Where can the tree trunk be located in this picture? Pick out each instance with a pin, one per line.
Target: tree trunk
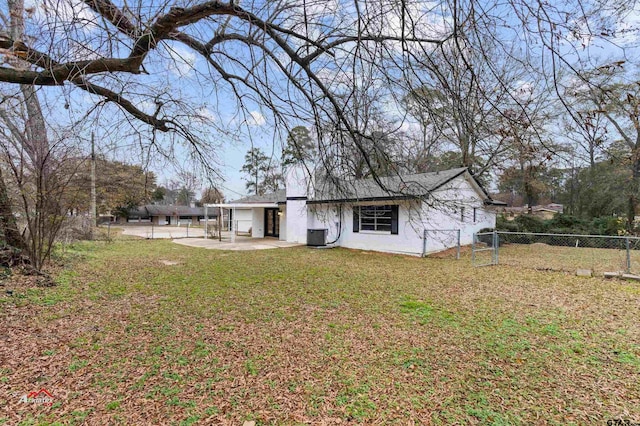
(632, 200)
(40, 209)
(93, 213)
(8, 224)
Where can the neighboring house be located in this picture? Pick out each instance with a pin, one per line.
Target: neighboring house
(544, 212)
(169, 215)
(363, 216)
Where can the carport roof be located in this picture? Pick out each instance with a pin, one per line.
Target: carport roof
(159, 210)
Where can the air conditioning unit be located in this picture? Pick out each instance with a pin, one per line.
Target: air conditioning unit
(316, 237)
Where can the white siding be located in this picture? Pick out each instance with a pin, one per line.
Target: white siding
(296, 221)
(243, 219)
(443, 211)
(407, 241)
(257, 222)
(283, 224)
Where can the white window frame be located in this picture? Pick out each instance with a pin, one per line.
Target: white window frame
(375, 224)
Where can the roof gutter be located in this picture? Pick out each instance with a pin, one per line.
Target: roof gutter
(365, 199)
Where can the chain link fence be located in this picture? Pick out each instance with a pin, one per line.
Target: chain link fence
(560, 252)
(152, 231)
(205, 229)
(441, 243)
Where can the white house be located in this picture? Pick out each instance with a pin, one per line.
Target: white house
(416, 214)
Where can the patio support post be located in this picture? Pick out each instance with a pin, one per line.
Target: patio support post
(233, 228)
(206, 221)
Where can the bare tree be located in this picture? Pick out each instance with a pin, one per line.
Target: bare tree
(39, 173)
(30, 159)
(614, 93)
(458, 93)
(212, 195)
(297, 61)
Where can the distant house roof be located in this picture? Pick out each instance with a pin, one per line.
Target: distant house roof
(553, 207)
(280, 196)
(158, 210)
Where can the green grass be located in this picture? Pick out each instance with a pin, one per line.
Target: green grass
(299, 335)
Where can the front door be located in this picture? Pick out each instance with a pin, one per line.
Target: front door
(271, 223)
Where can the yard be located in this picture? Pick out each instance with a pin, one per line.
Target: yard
(560, 258)
(150, 332)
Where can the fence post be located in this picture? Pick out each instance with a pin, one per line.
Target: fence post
(424, 243)
(458, 247)
(473, 248)
(495, 247)
(152, 229)
(628, 256)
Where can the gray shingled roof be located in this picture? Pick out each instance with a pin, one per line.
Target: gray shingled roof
(280, 196)
(397, 187)
(405, 186)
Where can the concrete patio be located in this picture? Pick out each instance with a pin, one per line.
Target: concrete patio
(241, 243)
(193, 237)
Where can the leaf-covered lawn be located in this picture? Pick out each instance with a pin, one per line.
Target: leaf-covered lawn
(559, 258)
(308, 336)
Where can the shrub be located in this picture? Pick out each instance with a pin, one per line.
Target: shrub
(503, 224)
(529, 223)
(608, 225)
(568, 224)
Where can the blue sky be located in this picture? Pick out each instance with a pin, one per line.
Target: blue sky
(213, 111)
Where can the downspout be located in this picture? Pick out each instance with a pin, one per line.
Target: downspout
(339, 225)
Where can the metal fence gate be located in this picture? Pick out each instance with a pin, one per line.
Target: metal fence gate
(484, 249)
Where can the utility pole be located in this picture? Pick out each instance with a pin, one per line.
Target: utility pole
(93, 213)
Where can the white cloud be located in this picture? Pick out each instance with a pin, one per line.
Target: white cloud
(58, 14)
(628, 30)
(182, 61)
(256, 119)
(205, 115)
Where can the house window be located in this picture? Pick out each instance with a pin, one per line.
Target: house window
(461, 214)
(475, 215)
(376, 218)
